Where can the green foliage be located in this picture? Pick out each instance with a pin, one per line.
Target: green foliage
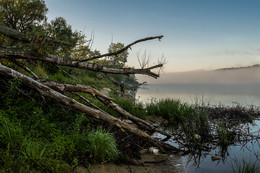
(226, 137)
(84, 52)
(22, 14)
(117, 60)
(136, 109)
(59, 29)
(33, 151)
(47, 137)
(10, 133)
(102, 146)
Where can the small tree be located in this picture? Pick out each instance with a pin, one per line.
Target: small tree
(120, 59)
(22, 14)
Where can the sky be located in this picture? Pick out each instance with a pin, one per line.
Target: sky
(198, 34)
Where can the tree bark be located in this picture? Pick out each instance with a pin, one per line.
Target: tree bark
(69, 102)
(17, 54)
(62, 87)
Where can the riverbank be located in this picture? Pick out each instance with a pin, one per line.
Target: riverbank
(149, 163)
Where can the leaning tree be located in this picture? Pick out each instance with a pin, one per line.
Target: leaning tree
(57, 91)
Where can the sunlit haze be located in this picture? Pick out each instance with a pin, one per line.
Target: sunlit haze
(198, 34)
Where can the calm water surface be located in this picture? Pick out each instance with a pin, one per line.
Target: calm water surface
(213, 94)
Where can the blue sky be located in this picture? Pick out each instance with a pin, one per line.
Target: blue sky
(199, 34)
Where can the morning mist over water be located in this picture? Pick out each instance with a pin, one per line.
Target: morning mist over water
(224, 86)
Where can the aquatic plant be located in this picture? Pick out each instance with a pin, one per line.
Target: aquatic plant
(245, 166)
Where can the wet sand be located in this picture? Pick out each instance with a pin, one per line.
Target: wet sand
(149, 163)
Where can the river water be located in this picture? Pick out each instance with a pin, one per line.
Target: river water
(213, 94)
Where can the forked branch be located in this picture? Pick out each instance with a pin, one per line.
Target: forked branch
(125, 48)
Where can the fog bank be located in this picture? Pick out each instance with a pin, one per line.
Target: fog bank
(232, 76)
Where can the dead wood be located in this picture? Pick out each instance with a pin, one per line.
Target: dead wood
(20, 64)
(57, 91)
(125, 48)
(18, 54)
(69, 102)
(62, 87)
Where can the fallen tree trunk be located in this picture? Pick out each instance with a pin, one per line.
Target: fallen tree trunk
(69, 102)
(63, 87)
(18, 54)
(148, 126)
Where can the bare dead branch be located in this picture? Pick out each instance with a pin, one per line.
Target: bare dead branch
(136, 120)
(66, 73)
(25, 68)
(91, 40)
(125, 48)
(88, 102)
(63, 87)
(144, 61)
(69, 102)
(17, 54)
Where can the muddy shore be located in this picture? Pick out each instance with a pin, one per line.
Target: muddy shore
(149, 163)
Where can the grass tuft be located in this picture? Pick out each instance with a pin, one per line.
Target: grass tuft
(102, 146)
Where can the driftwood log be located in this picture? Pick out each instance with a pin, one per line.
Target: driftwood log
(57, 91)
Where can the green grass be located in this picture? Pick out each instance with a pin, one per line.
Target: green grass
(184, 118)
(102, 146)
(136, 109)
(245, 167)
(47, 137)
(178, 114)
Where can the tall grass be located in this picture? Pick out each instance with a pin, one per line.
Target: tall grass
(182, 118)
(134, 108)
(178, 114)
(245, 167)
(48, 137)
(102, 146)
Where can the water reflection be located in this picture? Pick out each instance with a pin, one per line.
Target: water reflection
(219, 159)
(210, 157)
